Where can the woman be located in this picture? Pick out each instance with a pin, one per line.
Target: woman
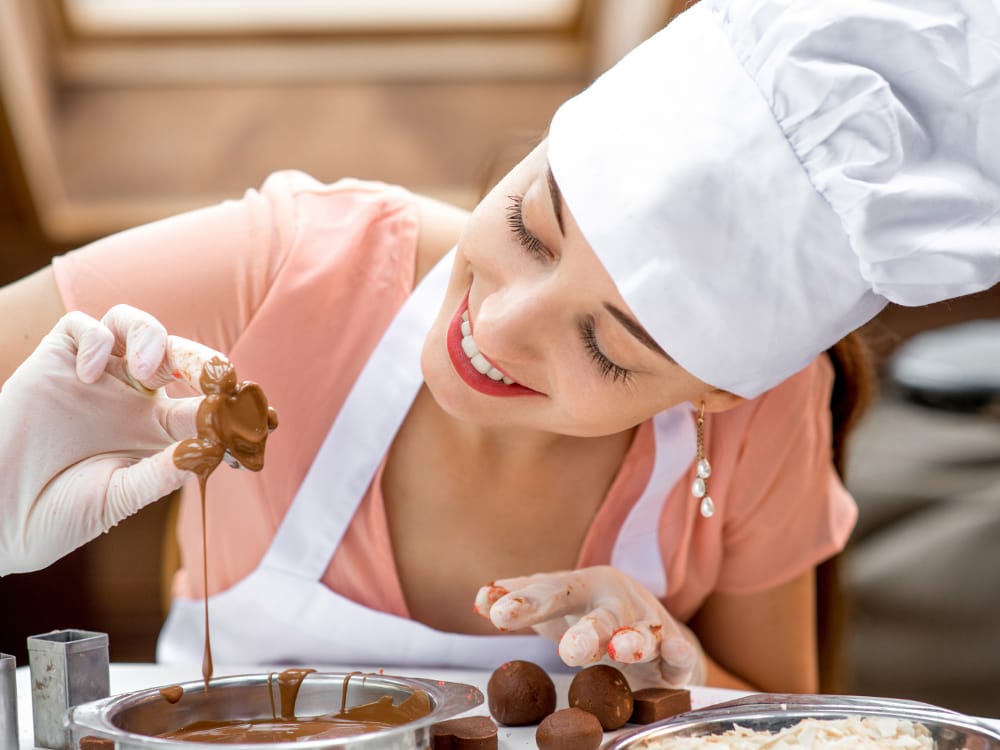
(645, 310)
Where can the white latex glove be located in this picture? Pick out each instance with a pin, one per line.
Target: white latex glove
(599, 614)
(87, 433)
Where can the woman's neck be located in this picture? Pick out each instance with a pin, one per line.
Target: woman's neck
(514, 448)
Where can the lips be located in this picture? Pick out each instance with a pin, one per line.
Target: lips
(468, 361)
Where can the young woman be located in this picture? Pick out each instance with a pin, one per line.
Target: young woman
(605, 416)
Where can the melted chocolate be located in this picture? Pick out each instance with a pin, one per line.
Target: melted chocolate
(368, 717)
(289, 683)
(234, 418)
(172, 693)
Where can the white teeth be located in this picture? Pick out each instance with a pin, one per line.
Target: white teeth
(469, 347)
(482, 365)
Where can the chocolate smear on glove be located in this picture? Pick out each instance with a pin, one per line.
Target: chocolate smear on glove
(234, 418)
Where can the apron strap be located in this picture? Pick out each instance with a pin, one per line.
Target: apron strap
(637, 549)
(360, 436)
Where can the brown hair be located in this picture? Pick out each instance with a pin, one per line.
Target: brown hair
(854, 388)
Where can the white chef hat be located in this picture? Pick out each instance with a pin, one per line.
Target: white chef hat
(762, 176)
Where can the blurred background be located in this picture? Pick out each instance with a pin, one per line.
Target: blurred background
(117, 112)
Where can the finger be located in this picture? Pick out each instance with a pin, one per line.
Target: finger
(544, 597)
(186, 360)
(179, 416)
(91, 341)
(133, 487)
(486, 597)
(587, 640)
(638, 642)
(678, 658)
(140, 338)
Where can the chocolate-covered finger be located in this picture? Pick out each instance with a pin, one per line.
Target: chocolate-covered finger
(548, 597)
(486, 597)
(185, 361)
(586, 641)
(636, 643)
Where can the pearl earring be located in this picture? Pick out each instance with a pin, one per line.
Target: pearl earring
(699, 488)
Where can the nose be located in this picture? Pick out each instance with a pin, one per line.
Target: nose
(515, 323)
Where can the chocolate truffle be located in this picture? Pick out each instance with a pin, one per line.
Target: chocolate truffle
(603, 691)
(654, 704)
(569, 729)
(466, 733)
(521, 693)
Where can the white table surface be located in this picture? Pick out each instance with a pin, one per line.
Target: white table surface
(130, 677)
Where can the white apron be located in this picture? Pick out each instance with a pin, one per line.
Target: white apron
(282, 613)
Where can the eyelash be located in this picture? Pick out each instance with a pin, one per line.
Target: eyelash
(608, 368)
(534, 246)
(515, 220)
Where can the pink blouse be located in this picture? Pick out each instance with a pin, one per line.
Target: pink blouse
(296, 282)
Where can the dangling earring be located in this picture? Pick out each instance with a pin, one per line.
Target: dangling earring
(703, 469)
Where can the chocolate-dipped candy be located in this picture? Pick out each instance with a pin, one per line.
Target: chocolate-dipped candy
(654, 704)
(465, 733)
(520, 693)
(569, 729)
(603, 691)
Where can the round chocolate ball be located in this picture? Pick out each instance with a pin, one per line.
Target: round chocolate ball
(569, 729)
(520, 693)
(603, 691)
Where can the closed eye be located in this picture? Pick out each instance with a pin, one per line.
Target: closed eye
(608, 368)
(527, 240)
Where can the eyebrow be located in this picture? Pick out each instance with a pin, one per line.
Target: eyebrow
(556, 199)
(636, 330)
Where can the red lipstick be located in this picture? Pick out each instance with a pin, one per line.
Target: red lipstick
(469, 374)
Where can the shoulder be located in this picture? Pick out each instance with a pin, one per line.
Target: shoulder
(804, 395)
(441, 226)
(311, 203)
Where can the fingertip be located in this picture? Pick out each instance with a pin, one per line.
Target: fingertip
(143, 337)
(579, 647)
(179, 416)
(678, 659)
(513, 611)
(147, 345)
(93, 348)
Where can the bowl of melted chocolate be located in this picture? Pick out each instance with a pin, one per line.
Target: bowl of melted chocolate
(298, 708)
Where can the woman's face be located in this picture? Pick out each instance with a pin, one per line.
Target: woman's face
(546, 318)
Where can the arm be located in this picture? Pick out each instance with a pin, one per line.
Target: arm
(767, 640)
(29, 308)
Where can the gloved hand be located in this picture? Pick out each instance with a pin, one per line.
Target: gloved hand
(599, 614)
(87, 433)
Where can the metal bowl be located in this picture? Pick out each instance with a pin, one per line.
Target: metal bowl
(131, 721)
(950, 730)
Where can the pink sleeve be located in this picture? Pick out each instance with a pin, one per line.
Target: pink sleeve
(788, 511)
(203, 274)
